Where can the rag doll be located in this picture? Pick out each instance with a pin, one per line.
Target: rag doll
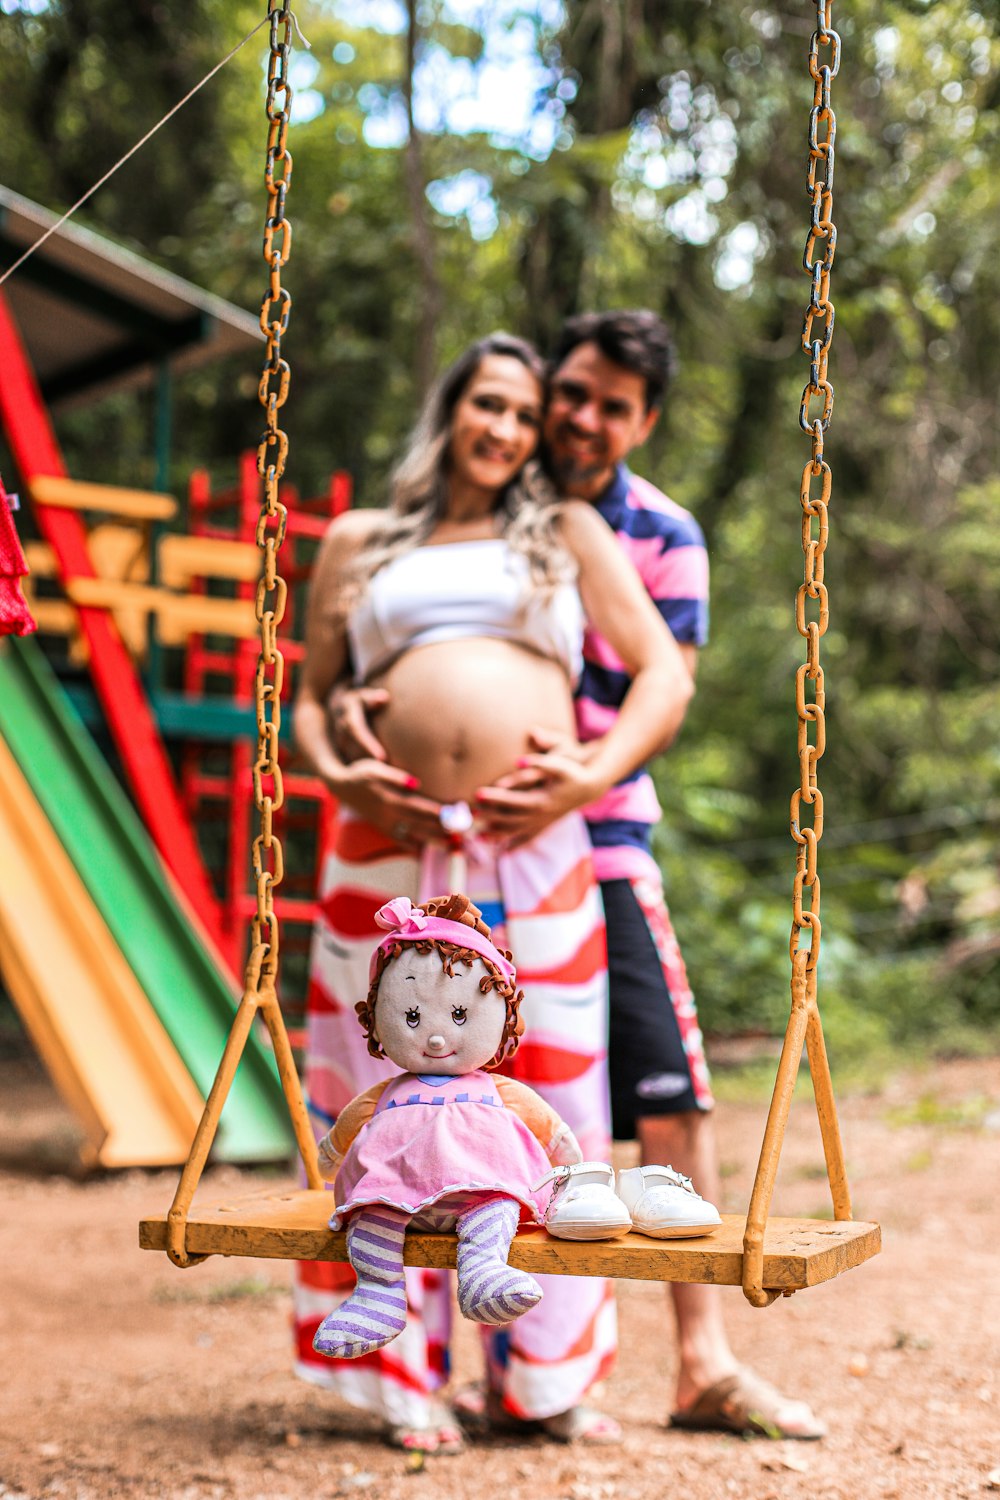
(444, 1145)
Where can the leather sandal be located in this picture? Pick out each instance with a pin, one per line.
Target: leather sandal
(749, 1406)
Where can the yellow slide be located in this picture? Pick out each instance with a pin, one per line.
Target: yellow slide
(95, 1029)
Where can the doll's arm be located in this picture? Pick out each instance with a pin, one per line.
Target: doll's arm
(336, 1143)
(549, 1129)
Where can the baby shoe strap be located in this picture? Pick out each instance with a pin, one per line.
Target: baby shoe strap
(561, 1175)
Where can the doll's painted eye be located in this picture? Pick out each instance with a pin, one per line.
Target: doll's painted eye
(459, 1014)
(413, 1016)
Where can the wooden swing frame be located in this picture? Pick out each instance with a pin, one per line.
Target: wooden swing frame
(768, 1257)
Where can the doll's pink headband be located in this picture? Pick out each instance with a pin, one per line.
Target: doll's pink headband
(406, 923)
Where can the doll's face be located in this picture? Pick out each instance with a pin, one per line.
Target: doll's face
(430, 1023)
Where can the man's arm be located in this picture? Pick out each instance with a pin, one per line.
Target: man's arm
(350, 711)
(620, 609)
(689, 653)
(547, 740)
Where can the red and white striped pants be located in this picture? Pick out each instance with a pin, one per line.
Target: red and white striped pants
(543, 904)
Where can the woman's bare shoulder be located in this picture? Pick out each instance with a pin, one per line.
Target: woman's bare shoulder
(354, 527)
(348, 533)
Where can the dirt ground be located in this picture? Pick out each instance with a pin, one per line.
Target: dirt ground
(126, 1377)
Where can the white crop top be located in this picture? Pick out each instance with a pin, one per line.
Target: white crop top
(459, 590)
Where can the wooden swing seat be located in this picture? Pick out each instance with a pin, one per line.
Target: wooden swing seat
(798, 1253)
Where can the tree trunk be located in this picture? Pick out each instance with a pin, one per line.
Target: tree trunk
(425, 359)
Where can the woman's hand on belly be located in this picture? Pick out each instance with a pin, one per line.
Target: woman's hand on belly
(388, 798)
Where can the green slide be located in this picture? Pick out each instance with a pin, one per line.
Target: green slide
(103, 836)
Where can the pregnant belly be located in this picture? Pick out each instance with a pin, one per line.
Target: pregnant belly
(460, 712)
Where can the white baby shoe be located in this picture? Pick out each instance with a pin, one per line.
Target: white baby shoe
(664, 1204)
(584, 1205)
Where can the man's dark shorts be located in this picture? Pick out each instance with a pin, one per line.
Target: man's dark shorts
(656, 1061)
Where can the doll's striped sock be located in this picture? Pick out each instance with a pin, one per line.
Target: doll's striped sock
(489, 1291)
(375, 1312)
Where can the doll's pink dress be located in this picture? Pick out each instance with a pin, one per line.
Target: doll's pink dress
(430, 1137)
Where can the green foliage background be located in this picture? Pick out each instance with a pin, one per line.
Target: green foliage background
(678, 134)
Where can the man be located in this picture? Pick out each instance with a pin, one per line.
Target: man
(609, 378)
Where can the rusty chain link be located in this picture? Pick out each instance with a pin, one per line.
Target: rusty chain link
(272, 453)
(814, 493)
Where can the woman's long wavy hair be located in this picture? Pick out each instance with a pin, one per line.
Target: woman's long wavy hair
(526, 511)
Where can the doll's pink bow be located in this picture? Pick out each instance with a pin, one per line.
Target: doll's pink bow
(401, 917)
(404, 922)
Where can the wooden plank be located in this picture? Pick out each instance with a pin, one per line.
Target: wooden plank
(798, 1253)
(74, 494)
(114, 593)
(181, 615)
(121, 587)
(119, 551)
(41, 559)
(116, 552)
(123, 552)
(53, 616)
(182, 558)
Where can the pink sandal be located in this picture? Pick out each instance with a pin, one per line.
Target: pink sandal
(482, 1411)
(441, 1438)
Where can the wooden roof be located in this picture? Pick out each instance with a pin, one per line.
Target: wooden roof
(96, 317)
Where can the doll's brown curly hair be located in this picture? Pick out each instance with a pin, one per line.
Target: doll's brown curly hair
(455, 908)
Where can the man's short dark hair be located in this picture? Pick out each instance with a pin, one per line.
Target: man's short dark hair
(636, 339)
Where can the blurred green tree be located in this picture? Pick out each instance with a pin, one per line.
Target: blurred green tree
(662, 163)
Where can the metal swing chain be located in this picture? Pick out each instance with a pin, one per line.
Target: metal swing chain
(814, 494)
(260, 991)
(272, 454)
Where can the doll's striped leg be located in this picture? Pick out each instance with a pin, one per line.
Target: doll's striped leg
(375, 1312)
(489, 1290)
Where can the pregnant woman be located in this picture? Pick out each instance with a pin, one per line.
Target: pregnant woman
(466, 599)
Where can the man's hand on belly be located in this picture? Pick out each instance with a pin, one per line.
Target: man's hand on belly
(349, 711)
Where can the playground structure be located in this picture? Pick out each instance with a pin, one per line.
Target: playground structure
(120, 939)
(769, 1257)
